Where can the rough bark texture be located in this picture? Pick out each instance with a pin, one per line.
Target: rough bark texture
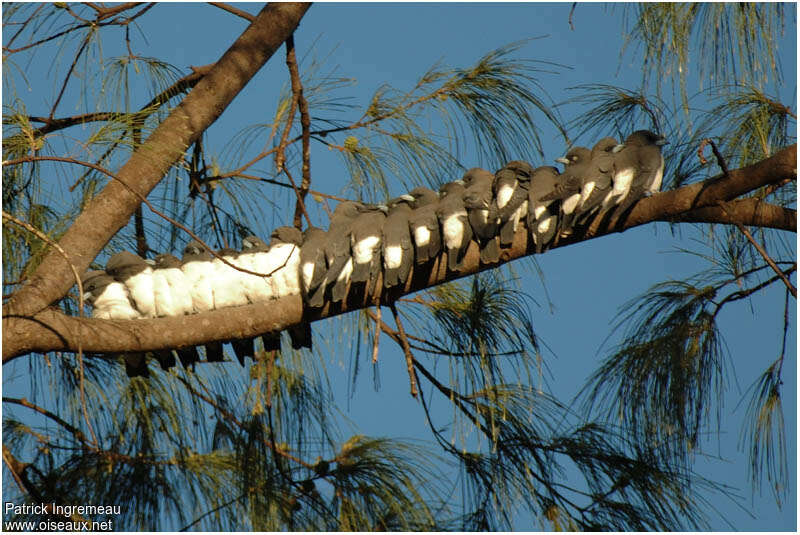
(708, 201)
(111, 209)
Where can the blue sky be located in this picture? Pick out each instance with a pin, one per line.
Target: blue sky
(586, 282)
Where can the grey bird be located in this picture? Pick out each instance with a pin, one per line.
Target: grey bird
(365, 242)
(137, 276)
(398, 250)
(285, 248)
(543, 213)
(598, 180)
(337, 249)
(313, 266)
(478, 198)
(510, 203)
(109, 299)
(568, 190)
(255, 257)
(424, 224)
(171, 289)
(453, 219)
(638, 169)
(200, 273)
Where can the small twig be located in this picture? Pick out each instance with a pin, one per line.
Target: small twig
(45, 238)
(305, 123)
(284, 185)
(236, 11)
(406, 350)
(717, 154)
(742, 294)
(768, 259)
(571, 12)
(299, 197)
(375, 341)
(41, 410)
(69, 75)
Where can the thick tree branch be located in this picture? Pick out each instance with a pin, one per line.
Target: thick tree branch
(111, 209)
(50, 330)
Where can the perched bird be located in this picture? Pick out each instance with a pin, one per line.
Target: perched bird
(255, 257)
(337, 249)
(313, 266)
(568, 190)
(638, 169)
(172, 291)
(284, 252)
(542, 213)
(478, 198)
(398, 251)
(137, 276)
(597, 182)
(510, 203)
(109, 300)
(453, 219)
(424, 224)
(200, 274)
(366, 232)
(228, 282)
(243, 348)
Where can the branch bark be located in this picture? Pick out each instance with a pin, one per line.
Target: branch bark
(111, 209)
(51, 330)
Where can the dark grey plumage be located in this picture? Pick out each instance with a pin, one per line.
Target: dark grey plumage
(243, 348)
(398, 250)
(136, 365)
(453, 219)
(188, 356)
(543, 213)
(510, 203)
(424, 224)
(478, 198)
(137, 276)
(337, 249)
(568, 190)
(598, 180)
(638, 169)
(165, 358)
(301, 336)
(365, 243)
(313, 266)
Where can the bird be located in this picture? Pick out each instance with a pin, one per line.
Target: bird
(313, 266)
(424, 224)
(398, 250)
(200, 273)
(337, 249)
(243, 348)
(110, 299)
(569, 188)
(638, 169)
(543, 214)
(285, 247)
(255, 257)
(478, 198)
(131, 270)
(510, 203)
(598, 180)
(366, 232)
(284, 252)
(228, 282)
(171, 289)
(453, 219)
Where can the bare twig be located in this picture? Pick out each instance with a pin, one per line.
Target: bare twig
(742, 294)
(406, 350)
(41, 410)
(767, 258)
(572, 12)
(236, 11)
(299, 197)
(375, 341)
(305, 123)
(68, 76)
(717, 154)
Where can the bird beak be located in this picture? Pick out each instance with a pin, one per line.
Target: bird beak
(150, 261)
(618, 148)
(87, 296)
(563, 160)
(459, 182)
(407, 197)
(383, 208)
(662, 141)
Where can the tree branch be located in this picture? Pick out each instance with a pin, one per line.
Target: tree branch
(51, 330)
(111, 209)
